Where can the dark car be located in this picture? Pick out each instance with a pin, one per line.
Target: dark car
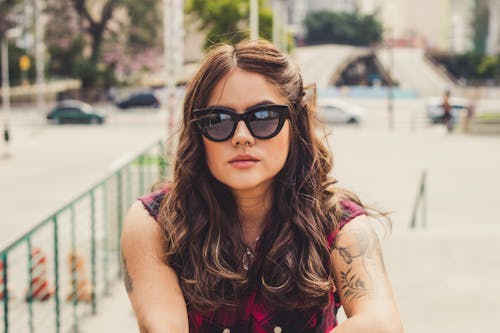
(75, 112)
(144, 99)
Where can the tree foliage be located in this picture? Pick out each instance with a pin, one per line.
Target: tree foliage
(79, 26)
(6, 22)
(228, 20)
(342, 28)
(471, 65)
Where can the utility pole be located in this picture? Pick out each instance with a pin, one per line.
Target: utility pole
(173, 36)
(39, 55)
(276, 23)
(284, 26)
(254, 19)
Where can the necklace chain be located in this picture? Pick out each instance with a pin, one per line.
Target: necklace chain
(248, 256)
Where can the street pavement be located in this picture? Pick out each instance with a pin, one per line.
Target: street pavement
(50, 165)
(444, 275)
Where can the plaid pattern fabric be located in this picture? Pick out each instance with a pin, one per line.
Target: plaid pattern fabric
(253, 315)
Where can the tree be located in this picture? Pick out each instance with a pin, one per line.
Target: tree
(95, 27)
(223, 20)
(6, 21)
(143, 16)
(79, 25)
(342, 28)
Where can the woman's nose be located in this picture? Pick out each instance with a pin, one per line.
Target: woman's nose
(242, 135)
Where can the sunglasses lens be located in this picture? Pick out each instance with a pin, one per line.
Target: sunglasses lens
(217, 125)
(264, 123)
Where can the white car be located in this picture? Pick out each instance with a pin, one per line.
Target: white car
(332, 110)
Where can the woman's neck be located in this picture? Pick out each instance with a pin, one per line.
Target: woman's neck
(253, 208)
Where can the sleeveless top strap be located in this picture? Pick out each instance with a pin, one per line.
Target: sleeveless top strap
(350, 211)
(152, 202)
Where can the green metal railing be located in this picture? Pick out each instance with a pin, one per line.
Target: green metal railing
(56, 273)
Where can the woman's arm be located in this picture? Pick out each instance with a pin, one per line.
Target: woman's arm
(152, 286)
(361, 280)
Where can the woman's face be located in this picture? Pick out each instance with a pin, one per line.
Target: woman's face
(242, 162)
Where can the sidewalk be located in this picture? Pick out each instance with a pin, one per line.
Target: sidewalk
(114, 314)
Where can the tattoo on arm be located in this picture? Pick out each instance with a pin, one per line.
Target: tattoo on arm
(361, 247)
(129, 284)
(352, 285)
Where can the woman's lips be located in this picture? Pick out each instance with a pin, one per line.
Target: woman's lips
(243, 164)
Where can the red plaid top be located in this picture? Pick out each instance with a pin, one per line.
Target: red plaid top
(253, 314)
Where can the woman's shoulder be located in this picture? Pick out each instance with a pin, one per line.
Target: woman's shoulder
(349, 210)
(152, 201)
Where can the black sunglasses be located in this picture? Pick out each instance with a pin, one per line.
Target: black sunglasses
(264, 121)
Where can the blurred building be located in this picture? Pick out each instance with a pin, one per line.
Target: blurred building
(444, 25)
(333, 5)
(493, 39)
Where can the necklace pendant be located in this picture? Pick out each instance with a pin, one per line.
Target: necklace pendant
(247, 259)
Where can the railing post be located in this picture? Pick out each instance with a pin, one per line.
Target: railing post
(120, 217)
(5, 299)
(105, 260)
(162, 166)
(93, 251)
(56, 271)
(74, 279)
(141, 174)
(129, 178)
(30, 288)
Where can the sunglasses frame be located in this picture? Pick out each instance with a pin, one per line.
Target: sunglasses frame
(282, 109)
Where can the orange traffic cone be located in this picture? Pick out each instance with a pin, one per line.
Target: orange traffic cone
(81, 288)
(40, 289)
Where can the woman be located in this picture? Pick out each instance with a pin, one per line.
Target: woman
(251, 235)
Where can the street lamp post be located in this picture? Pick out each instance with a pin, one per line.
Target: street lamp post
(276, 23)
(284, 24)
(5, 92)
(254, 19)
(173, 34)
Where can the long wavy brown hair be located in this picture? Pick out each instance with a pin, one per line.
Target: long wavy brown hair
(202, 235)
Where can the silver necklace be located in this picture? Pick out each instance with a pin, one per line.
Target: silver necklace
(248, 257)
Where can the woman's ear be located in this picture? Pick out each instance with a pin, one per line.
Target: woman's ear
(310, 94)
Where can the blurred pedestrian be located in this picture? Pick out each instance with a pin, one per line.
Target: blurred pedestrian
(252, 235)
(470, 109)
(447, 108)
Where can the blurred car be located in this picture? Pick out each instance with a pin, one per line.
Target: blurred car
(75, 112)
(435, 112)
(143, 99)
(332, 110)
